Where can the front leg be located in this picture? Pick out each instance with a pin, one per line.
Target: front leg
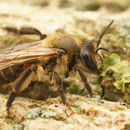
(103, 91)
(84, 80)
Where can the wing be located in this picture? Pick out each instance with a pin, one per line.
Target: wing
(24, 53)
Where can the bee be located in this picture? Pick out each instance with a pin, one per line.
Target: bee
(54, 55)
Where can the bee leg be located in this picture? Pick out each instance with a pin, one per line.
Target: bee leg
(20, 84)
(31, 31)
(60, 90)
(9, 102)
(11, 29)
(25, 30)
(103, 91)
(87, 86)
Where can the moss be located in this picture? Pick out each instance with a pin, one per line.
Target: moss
(49, 102)
(73, 89)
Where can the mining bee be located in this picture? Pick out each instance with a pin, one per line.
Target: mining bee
(55, 55)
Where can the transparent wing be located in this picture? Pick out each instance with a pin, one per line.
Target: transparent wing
(24, 53)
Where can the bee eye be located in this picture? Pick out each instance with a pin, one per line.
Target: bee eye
(87, 59)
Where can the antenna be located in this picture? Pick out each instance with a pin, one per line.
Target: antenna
(104, 33)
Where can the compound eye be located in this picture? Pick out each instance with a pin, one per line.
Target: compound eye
(68, 43)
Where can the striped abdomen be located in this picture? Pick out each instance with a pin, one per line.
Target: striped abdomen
(9, 74)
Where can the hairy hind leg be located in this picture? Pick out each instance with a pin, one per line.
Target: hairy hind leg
(20, 84)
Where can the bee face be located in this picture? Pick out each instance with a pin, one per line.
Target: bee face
(88, 57)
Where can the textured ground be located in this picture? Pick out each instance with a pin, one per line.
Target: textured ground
(87, 113)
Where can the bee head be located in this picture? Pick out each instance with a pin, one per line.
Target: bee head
(89, 54)
(88, 57)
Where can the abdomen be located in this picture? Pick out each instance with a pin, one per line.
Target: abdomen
(9, 74)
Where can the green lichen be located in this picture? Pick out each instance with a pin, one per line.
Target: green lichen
(118, 69)
(48, 113)
(34, 112)
(42, 112)
(98, 99)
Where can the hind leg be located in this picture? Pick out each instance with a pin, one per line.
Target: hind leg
(25, 30)
(20, 84)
